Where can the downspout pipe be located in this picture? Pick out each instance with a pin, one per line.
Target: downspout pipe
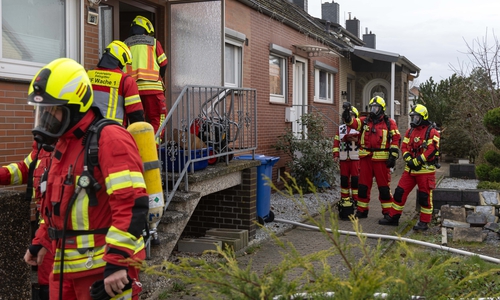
(396, 238)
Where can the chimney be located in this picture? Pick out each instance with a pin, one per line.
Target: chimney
(353, 26)
(300, 3)
(370, 39)
(330, 12)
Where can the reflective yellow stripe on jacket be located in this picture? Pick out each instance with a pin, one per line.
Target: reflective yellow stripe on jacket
(145, 67)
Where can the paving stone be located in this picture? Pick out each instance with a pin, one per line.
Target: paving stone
(485, 209)
(197, 245)
(233, 243)
(454, 224)
(476, 218)
(456, 213)
(495, 227)
(489, 198)
(472, 234)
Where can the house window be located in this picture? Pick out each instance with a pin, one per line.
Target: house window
(36, 32)
(278, 73)
(324, 83)
(232, 67)
(277, 78)
(233, 58)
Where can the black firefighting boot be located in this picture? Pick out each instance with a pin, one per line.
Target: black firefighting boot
(421, 226)
(388, 220)
(361, 214)
(346, 208)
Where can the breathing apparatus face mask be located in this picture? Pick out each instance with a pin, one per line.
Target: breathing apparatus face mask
(50, 123)
(415, 120)
(375, 110)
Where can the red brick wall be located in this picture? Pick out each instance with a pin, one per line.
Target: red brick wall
(271, 116)
(234, 208)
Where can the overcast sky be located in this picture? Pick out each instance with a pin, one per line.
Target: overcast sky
(432, 34)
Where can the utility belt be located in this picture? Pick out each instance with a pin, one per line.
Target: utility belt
(376, 149)
(55, 234)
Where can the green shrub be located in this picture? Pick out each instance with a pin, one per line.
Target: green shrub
(483, 171)
(311, 153)
(488, 185)
(495, 174)
(485, 148)
(492, 158)
(491, 121)
(496, 142)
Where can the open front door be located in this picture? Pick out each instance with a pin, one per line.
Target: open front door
(116, 16)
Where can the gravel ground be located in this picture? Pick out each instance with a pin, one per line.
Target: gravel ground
(457, 183)
(285, 208)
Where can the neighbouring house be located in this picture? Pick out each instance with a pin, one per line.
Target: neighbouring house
(294, 62)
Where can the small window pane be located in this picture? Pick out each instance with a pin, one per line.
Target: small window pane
(230, 64)
(275, 75)
(33, 31)
(323, 84)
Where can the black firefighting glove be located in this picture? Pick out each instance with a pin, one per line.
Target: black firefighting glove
(346, 116)
(414, 164)
(393, 156)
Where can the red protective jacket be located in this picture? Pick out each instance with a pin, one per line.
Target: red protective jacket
(374, 141)
(116, 95)
(121, 207)
(425, 151)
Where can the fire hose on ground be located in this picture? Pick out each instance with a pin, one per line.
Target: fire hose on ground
(396, 238)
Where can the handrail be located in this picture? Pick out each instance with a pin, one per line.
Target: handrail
(205, 125)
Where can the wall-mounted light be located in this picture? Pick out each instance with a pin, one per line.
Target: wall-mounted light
(344, 95)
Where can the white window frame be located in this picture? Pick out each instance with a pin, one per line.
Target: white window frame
(330, 82)
(237, 40)
(25, 70)
(282, 54)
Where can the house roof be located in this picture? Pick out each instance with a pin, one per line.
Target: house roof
(370, 54)
(295, 17)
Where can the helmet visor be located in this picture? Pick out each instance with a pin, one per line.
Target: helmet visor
(415, 120)
(375, 109)
(51, 120)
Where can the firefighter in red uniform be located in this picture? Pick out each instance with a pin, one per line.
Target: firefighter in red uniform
(18, 173)
(115, 93)
(420, 149)
(148, 69)
(378, 152)
(346, 153)
(94, 221)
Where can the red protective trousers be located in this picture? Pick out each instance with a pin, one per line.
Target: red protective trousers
(349, 176)
(426, 183)
(374, 168)
(155, 109)
(79, 288)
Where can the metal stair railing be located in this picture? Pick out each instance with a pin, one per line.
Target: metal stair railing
(206, 124)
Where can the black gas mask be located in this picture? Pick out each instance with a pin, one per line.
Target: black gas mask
(50, 123)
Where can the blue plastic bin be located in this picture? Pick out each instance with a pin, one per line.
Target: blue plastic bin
(177, 164)
(263, 190)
